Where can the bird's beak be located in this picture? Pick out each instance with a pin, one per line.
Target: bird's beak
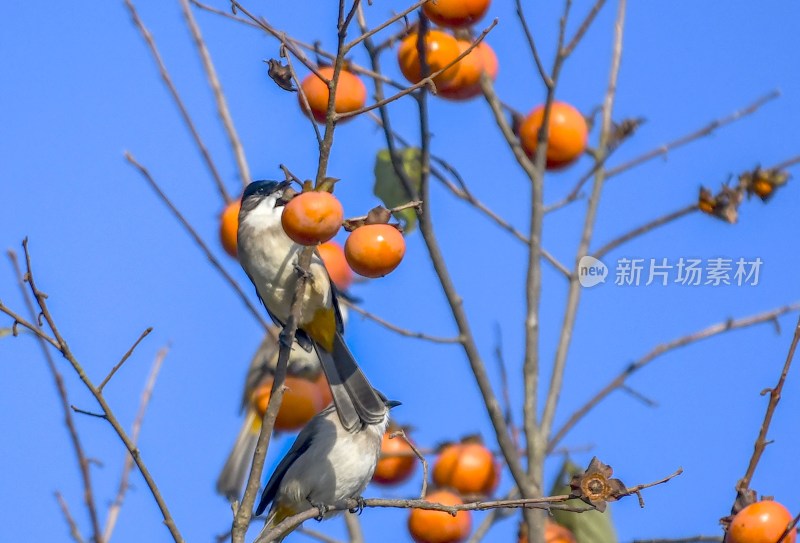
(393, 403)
(288, 193)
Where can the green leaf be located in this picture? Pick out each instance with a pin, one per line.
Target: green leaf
(590, 526)
(389, 188)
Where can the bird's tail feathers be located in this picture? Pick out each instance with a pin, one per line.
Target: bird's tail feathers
(232, 477)
(356, 401)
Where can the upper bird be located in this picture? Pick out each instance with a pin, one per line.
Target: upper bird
(270, 259)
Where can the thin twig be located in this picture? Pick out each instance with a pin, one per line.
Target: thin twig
(413, 204)
(396, 17)
(573, 297)
(219, 95)
(706, 130)
(583, 28)
(791, 528)
(162, 68)
(786, 163)
(284, 53)
(69, 422)
(294, 45)
(124, 358)
(394, 328)
(127, 467)
(198, 240)
(774, 398)
(74, 531)
(645, 228)
(548, 82)
(619, 380)
(402, 434)
(688, 138)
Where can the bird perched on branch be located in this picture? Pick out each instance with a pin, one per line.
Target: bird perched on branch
(270, 259)
(325, 465)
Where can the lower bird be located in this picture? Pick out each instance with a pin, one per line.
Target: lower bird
(325, 465)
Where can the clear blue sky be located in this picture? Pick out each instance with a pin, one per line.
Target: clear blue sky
(79, 88)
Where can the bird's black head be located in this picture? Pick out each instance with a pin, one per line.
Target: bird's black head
(262, 189)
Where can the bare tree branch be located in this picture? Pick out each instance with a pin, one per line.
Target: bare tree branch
(74, 531)
(219, 95)
(702, 132)
(619, 380)
(645, 228)
(107, 413)
(198, 240)
(573, 297)
(83, 461)
(124, 358)
(774, 398)
(127, 467)
(394, 328)
(162, 68)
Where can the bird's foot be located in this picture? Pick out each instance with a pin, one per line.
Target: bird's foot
(301, 272)
(321, 507)
(359, 508)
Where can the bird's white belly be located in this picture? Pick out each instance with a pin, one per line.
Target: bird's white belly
(269, 257)
(340, 467)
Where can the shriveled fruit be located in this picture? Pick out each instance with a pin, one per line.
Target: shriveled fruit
(351, 93)
(332, 255)
(301, 401)
(762, 188)
(427, 526)
(373, 250)
(229, 226)
(566, 134)
(456, 13)
(397, 460)
(553, 533)
(467, 83)
(468, 467)
(312, 217)
(440, 50)
(761, 522)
